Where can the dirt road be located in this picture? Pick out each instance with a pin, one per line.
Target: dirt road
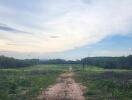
(65, 89)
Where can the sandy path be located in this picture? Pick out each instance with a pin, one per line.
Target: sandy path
(65, 89)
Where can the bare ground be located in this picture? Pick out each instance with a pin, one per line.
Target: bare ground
(65, 89)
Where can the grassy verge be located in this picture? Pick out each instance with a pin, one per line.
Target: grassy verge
(26, 83)
(106, 84)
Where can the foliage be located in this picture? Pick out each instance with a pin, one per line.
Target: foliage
(109, 62)
(104, 62)
(9, 62)
(24, 83)
(106, 84)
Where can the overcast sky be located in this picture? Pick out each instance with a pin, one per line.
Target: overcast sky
(68, 29)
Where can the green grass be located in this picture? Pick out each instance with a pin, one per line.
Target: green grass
(104, 84)
(27, 83)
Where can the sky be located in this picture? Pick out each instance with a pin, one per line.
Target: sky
(69, 29)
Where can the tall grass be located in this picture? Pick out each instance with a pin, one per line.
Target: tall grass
(106, 84)
(26, 83)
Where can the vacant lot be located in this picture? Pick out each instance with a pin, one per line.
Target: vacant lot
(30, 82)
(106, 84)
(27, 83)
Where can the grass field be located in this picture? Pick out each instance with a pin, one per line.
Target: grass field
(104, 84)
(27, 83)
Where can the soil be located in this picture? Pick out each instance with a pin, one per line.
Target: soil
(65, 89)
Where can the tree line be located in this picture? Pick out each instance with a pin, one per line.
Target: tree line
(109, 62)
(105, 62)
(59, 61)
(9, 62)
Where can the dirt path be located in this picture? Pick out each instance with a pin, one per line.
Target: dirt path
(65, 89)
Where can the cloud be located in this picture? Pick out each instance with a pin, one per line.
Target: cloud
(76, 22)
(54, 36)
(90, 23)
(4, 27)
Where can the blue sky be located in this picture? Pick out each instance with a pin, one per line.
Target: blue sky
(69, 29)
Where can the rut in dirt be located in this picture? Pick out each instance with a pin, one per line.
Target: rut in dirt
(65, 89)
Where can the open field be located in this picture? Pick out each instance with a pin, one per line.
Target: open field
(30, 82)
(26, 83)
(105, 84)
